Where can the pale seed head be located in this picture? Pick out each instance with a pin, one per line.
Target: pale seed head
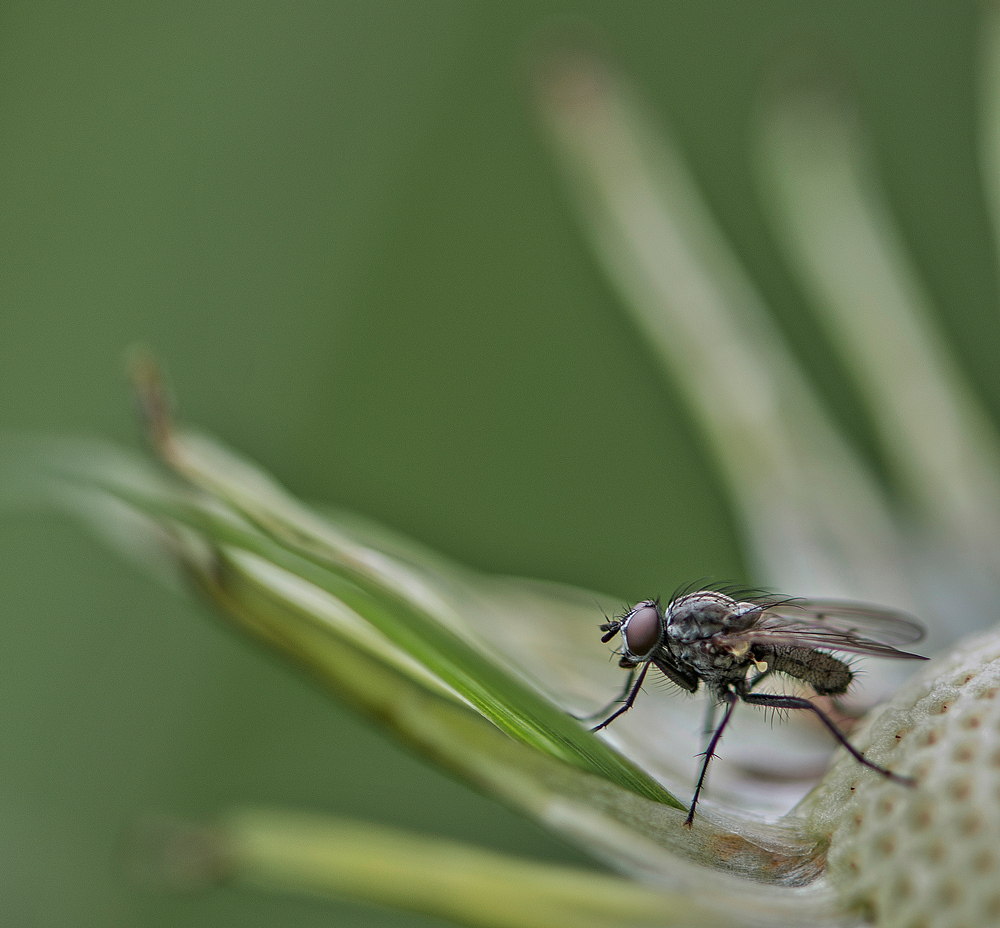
(926, 857)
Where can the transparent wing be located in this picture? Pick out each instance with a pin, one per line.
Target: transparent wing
(837, 625)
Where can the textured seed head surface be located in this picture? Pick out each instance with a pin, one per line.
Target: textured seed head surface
(926, 857)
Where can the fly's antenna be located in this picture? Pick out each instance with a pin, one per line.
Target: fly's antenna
(610, 629)
(611, 626)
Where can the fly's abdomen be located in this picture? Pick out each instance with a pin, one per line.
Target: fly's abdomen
(825, 673)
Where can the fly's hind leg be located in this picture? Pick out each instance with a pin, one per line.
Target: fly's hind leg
(774, 701)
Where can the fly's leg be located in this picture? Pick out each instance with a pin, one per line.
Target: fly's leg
(709, 724)
(614, 702)
(709, 754)
(628, 699)
(775, 701)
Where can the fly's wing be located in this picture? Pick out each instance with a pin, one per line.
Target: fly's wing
(835, 625)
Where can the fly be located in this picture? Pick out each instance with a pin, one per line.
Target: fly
(710, 638)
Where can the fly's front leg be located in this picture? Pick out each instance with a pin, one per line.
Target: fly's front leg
(628, 699)
(614, 702)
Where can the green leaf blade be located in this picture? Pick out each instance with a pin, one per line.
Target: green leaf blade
(507, 702)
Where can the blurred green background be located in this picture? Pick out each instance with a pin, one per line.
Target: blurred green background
(338, 226)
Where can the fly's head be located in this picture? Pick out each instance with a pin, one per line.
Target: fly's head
(641, 629)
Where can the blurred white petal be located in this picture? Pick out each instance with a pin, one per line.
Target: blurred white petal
(814, 521)
(838, 235)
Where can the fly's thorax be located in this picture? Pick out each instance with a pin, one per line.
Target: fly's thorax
(707, 613)
(641, 631)
(708, 658)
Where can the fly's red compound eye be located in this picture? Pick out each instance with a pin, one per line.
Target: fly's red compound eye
(642, 629)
